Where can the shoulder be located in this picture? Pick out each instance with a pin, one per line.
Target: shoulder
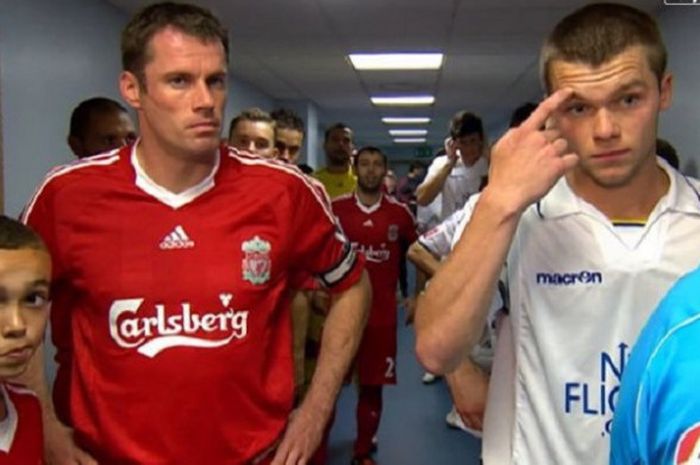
(400, 207)
(76, 175)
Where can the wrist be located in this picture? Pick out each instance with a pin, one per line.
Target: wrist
(505, 208)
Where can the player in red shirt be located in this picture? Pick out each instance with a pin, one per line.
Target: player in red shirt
(382, 229)
(25, 271)
(173, 259)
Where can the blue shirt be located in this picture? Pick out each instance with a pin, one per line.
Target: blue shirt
(657, 418)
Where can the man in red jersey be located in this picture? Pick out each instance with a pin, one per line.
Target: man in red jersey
(381, 228)
(173, 259)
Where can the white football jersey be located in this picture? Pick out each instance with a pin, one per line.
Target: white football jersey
(579, 294)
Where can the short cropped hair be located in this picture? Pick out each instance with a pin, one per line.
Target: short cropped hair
(287, 119)
(597, 33)
(464, 123)
(189, 19)
(15, 235)
(341, 126)
(80, 118)
(253, 114)
(370, 149)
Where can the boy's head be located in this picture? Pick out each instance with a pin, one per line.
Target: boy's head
(25, 274)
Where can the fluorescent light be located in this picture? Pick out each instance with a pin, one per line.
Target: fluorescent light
(410, 140)
(408, 132)
(408, 100)
(392, 61)
(405, 120)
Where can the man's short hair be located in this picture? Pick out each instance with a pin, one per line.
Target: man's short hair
(370, 149)
(287, 119)
(464, 123)
(15, 236)
(668, 152)
(597, 33)
(189, 19)
(253, 114)
(521, 113)
(341, 126)
(80, 118)
(416, 165)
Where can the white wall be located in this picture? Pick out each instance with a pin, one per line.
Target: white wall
(680, 26)
(54, 54)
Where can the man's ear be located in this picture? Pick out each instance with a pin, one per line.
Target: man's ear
(76, 145)
(666, 91)
(130, 88)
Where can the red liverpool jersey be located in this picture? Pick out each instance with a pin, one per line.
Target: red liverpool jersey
(171, 312)
(21, 438)
(380, 232)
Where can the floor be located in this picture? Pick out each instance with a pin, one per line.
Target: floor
(413, 429)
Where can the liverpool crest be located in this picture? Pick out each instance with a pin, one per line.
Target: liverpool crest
(256, 261)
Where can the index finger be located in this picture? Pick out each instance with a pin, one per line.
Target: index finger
(545, 109)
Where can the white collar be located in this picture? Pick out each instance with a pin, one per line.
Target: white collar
(371, 208)
(149, 186)
(8, 426)
(682, 196)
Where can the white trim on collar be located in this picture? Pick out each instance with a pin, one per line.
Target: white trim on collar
(368, 209)
(683, 195)
(171, 199)
(8, 426)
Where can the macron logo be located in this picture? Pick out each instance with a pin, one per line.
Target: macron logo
(177, 239)
(569, 279)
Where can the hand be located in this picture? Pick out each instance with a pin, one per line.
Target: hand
(409, 306)
(300, 440)
(527, 161)
(469, 387)
(321, 301)
(60, 447)
(451, 150)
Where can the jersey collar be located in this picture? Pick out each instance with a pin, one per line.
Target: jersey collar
(368, 209)
(8, 426)
(171, 199)
(683, 196)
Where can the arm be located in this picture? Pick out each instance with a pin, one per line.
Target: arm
(60, 447)
(526, 163)
(433, 183)
(341, 337)
(469, 386)
(424, 260)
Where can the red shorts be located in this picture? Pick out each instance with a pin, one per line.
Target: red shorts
(376, 357)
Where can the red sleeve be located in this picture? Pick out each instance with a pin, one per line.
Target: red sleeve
(321, 248)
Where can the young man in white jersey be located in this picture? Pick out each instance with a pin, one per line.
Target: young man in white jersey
(173, 261)
(592, 229)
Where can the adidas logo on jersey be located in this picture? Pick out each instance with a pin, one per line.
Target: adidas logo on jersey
(177, 239)
(368, 224)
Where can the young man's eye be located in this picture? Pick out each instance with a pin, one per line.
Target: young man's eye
(629, 100)
(36, 299)
(217, 81)
(577, 109)
(177, 81)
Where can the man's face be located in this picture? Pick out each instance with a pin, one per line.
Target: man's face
(24, 302)
(470, 147)
(288, 144)
(370, 171)
(256, 137)
(105, 131)
(338, 146)
(181, 106)
(611, 119)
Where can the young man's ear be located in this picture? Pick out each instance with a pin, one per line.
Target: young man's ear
(666, 91)
(130, 88)
(76, 145)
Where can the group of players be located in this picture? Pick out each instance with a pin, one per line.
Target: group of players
(171, 265)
